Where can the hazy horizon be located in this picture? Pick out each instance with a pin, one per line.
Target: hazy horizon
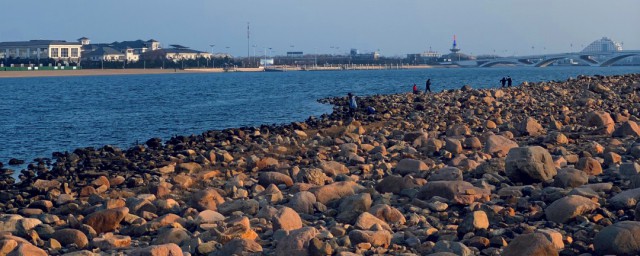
(395, 28)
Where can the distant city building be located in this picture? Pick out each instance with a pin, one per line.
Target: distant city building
(355, 54)
(117, 51)
(295, 54)
(42, 49)
(455, 55)
(428, 57)
(175, 54)
(603, 45)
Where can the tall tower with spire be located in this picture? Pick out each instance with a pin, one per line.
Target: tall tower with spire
(455, 48)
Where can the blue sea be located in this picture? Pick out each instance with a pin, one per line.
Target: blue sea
(39, 116)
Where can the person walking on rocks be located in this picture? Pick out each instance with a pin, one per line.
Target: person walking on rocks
(503, 81)
(428, 86)
(509, 81)
(353, 105)
(415, 89)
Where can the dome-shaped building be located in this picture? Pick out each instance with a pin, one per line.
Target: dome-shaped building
(604, 45)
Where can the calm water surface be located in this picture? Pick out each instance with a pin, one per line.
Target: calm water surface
(41, 115)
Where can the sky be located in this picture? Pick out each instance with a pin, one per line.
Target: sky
(394, 27)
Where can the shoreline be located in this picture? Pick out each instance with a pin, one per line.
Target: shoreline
(449, 168)
(107, 72)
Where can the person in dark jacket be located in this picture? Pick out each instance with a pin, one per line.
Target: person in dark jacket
(503, 81)
(428, 85)
(509, 81)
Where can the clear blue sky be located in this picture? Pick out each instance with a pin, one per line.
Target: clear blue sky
(396, 27)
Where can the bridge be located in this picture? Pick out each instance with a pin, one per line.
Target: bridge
(604, 60)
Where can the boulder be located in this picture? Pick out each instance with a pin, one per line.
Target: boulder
(333, 168)
(169, 234)
(69, 236)
(529, 164)
(367, 220)
(206, 200)
(109, 241)
(286, 219)
(625, 199)
(380, 238)
(601, 120)
(499, 145)
(459, 192)
(473, 221)
(628, 128)
(530, 127)
(106, 220)
(352, 206)
(621, 238)
(446, 173)
(267, 178)
(629, 169)
(567, 208)
(395, 184)
(387, 213)
(239, 246)
(444, 247)
(570, 178)
(209, 216)
(589, 165)
(530, 244)
(303, 202)
(157, 250)
(409, 166)
(296, 242)
(249, 206)
(336, 190)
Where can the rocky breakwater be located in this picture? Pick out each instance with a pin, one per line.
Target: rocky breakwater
(540, 169)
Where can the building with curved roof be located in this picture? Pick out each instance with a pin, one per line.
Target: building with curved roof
(603, 45)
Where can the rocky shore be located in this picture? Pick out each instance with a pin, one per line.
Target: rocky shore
(548, 168)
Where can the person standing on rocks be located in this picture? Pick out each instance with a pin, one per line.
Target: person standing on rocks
(509, 81)
(503, 81)
(428, 86)
(415, 89)
(353, 105)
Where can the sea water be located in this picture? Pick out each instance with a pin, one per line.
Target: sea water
(39, 116)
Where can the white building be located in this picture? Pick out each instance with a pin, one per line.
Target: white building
(604, 45)
(42, 49)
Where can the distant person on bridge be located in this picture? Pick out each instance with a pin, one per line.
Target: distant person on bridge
(503, 81)
(415, 89)
(509, 81)
(428, 86)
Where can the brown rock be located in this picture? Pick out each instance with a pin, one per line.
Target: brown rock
(286, 219)
(602, 120)
(367, 220)
(296, 242)
(459, 192)
(336, 190)
(387, 213)
(109, 241)
(531, 127)
(395, 184)
(267, 178)
(530, 164)
(408, 166)
(629, 128)
(530, 244)
(565, 209)
(621, 238)
(375, 238)
(106, 220)
(589, 165)
(69, 236)
(303, 202)
(499, 145)
(159, 250)
(240, 246)
(190, 167)
(206, 199)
